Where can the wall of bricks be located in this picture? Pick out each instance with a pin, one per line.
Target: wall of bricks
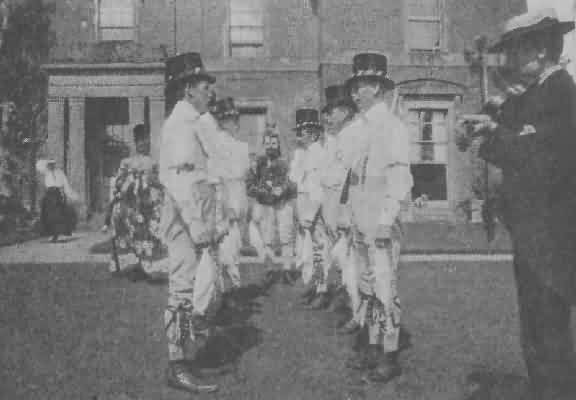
(287, 76)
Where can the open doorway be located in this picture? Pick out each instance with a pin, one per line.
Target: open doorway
(108, 140)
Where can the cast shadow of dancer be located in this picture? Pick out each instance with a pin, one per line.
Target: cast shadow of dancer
(234, 333)
(490, 385)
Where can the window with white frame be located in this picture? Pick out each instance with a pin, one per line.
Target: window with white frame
(116, 20)
(246, 29)
(429, 153)
(425, 24)
(252, 123)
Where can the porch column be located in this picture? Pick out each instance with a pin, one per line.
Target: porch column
(54, 145)
(136, 105)
(156, 121)
(77, 172)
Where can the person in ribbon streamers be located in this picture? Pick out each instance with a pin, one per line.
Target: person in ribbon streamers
(57, 215)
(312, 251)
(192, 224)
(376, 153)
(273, 209)
(338, 112)
(134, 212)
(236, 162)
(532, 140)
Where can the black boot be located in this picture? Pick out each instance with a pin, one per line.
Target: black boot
(308, 296)
(349, 328)
(288, 278)
(388, 368)
(179, 376)
(320, 302)
(405, 339)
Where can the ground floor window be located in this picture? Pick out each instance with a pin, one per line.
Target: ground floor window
(252, 125)
(429, 153)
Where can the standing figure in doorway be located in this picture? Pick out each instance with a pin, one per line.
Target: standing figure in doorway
(57, 215)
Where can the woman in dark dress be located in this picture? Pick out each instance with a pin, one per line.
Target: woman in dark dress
(57, 215)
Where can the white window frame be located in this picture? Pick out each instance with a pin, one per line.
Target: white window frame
(410, 104)
(440, 19)
(262, 103)
(230, 44)
(99, 28)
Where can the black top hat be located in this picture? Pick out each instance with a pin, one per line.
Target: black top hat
(186, 66)
(540, 21)
(370, 66)
(225, 108)
(338, 96)
(307, 118)
(140, 132)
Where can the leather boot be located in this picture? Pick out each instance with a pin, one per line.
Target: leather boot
(339, 300)
(405, 339)
(320, 302)
(308, 296)
(387, 369)
(349, 328)
(179, 376)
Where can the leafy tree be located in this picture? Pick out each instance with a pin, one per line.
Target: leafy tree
(25, 45)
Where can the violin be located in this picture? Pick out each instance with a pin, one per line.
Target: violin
(510, 86)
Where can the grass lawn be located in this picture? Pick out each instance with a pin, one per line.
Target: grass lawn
(71, 332)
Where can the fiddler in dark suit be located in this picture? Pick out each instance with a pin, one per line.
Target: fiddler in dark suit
(532, 140)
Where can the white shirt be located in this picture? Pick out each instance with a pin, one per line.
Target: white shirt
(185, 139)
(377, 147)
(56, 178)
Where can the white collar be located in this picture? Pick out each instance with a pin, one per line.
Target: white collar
(548, 72)
(377, 110)
(185, 110)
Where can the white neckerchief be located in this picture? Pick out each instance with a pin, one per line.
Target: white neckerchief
(54, 178)
(548, 72)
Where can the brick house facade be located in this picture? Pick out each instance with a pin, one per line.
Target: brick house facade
(272, 56)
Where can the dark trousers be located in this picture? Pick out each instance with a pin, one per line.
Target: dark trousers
(545, 334)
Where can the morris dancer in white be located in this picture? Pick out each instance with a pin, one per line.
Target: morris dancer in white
(312, 251)
(338, 112)
(191, 223)
(234, 166)
(376, 152)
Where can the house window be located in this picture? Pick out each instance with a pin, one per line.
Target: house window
(252, 123)
(425, 24)
(116, 20)
(246, 28)
(429, 152)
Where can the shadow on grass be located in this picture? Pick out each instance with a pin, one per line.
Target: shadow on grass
(104, 247)
(491, 385)
(235, 333)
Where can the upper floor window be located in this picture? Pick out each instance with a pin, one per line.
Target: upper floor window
(425, 24)
(246, 28)
(116, 20)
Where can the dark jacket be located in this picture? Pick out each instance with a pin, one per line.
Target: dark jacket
(261, 182)
(538, 174)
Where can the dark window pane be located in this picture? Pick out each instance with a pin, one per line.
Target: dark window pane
(429, 179)
(427, 152)
(427, 132)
